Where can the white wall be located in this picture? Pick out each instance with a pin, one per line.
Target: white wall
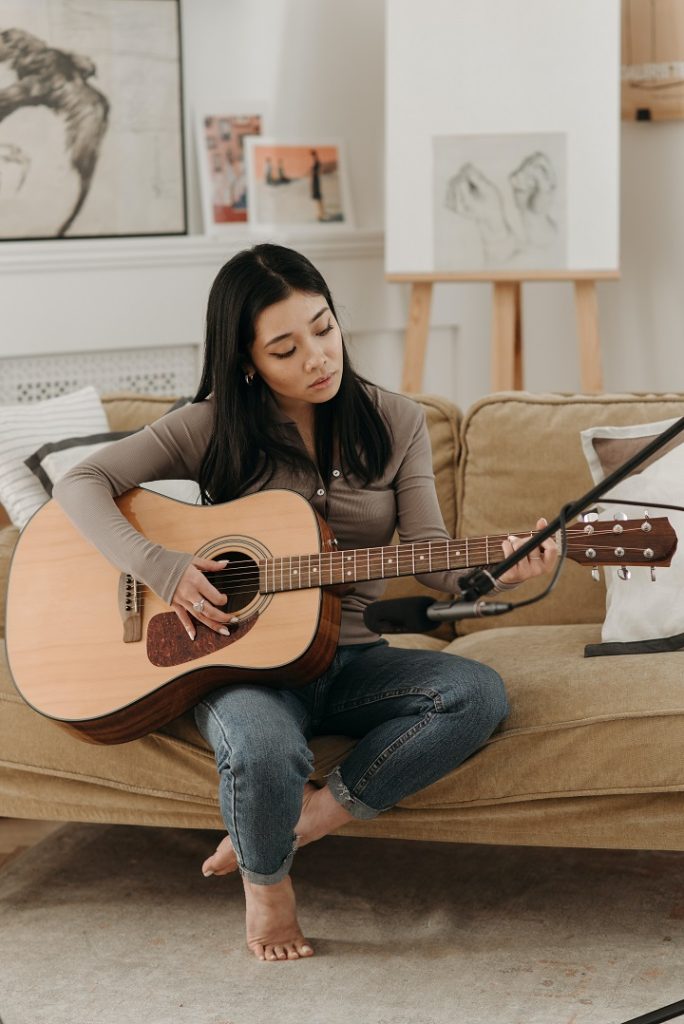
(320, 66)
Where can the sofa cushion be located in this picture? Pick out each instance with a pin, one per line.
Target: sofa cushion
(577, 726)
(129, 411)
(522, 458)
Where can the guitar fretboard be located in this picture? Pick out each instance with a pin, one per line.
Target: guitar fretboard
(298, 572)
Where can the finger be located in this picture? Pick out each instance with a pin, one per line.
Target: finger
(207, 565)
(186, 621)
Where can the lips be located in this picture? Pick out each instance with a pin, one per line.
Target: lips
(322, 380)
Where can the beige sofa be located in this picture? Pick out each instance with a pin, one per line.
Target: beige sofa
(591, 754)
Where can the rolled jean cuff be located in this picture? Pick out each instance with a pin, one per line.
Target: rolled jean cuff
(258, 879)
(351, 803)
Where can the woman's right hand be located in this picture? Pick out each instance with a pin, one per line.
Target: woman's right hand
(195, 596)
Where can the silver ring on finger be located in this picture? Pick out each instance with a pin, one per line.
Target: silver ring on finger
(198, 606)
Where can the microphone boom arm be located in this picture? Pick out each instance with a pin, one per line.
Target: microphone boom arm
(480, 582)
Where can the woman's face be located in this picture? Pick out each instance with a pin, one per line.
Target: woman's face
(297, 351)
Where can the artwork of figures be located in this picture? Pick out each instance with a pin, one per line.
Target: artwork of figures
(297, 183)
(90, 119)
(222, 166)
(499, 202)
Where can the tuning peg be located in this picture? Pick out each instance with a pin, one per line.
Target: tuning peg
(620, 516)
(596, 574)
(623, 573)
(590, 517)
(653, 575)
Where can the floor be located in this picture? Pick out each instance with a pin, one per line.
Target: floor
(405, 933)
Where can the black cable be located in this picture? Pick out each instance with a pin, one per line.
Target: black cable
(658, 1016)
(562, 520)
(561, 562)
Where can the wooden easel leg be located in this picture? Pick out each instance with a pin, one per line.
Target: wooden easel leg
(586, 303)
(415, 345)
(507, 371)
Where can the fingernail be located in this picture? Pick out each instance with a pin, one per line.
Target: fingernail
(191, 634)
(207, 873)
(234, 620)
(224, 631)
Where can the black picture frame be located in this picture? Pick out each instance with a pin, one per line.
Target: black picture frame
(92, 132)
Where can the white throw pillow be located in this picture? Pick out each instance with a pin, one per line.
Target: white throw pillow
(23, 428)
(53, 460)
(645, 615)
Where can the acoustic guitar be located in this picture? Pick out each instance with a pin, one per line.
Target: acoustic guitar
(96, 651)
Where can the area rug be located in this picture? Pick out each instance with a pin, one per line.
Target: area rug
(111, 924)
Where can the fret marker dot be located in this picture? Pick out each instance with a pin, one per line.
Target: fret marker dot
(315, 569)
(422, 558)
(294, 572)
(349, 572)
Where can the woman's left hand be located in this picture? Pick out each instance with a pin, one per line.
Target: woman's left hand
(540, 560)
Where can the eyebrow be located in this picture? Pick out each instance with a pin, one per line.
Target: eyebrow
(288, 333)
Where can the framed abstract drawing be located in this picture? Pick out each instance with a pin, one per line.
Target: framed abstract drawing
(91, 121)
(221, 160)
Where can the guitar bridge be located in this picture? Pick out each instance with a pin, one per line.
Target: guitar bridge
(130, 608)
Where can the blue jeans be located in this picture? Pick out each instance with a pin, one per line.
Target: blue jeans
(416, 715)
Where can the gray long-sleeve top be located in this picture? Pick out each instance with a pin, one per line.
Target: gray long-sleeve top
(173, 448)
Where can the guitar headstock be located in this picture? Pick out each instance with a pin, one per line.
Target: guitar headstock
(646, 541)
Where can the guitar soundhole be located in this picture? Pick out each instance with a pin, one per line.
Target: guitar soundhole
(239, 580)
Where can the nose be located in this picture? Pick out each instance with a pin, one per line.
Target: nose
(316, 359)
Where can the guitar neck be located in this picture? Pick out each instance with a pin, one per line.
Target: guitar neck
(298, 572)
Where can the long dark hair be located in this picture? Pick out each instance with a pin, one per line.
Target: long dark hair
(245, 441)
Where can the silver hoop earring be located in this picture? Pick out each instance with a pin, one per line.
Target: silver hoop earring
(249, 379)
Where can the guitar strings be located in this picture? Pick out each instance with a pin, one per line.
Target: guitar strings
(377, 563)
(378, 557)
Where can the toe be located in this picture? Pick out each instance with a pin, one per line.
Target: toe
(292, 953)
(304, 949)
(258, 951)
(280, 952)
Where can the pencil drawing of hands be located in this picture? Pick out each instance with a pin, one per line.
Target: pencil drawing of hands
(534, 191)
(57, 80)
(471, 194)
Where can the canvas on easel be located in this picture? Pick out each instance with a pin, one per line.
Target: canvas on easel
(503, 160)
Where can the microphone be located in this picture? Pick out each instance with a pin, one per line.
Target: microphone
(423, 614)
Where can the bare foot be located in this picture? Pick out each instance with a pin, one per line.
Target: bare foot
(321, 814)
(273, 932)
(222, 861)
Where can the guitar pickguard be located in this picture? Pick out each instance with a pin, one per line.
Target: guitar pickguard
(168, 643)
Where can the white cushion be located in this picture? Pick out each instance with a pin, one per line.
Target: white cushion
(53, 460)
(23, 428)
(639, 609)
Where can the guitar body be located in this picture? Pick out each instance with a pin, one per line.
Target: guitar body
(73, 619)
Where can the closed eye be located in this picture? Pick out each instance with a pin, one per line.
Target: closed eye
(284, 355)
(326, 330)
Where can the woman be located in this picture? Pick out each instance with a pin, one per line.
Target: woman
(279, 405)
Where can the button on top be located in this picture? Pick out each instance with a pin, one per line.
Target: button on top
(336, 472)
(320, 492)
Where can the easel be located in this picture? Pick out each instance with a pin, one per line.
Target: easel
(506, 335)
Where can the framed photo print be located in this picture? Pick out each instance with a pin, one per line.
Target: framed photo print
(297, 183)
(221, 159)
(91, 123)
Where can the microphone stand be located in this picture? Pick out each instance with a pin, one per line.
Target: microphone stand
(476, 584)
